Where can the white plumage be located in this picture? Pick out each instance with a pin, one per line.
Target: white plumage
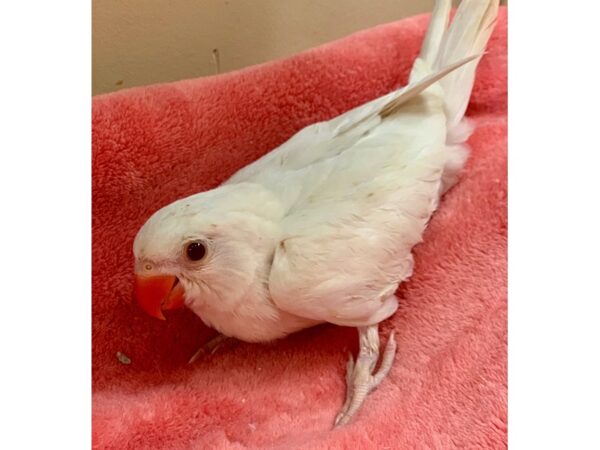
(321, 229)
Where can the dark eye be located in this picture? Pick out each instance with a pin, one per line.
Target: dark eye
(195, 251)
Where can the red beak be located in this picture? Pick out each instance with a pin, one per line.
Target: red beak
(158, 293)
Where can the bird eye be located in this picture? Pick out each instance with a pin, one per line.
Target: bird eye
(195, 251)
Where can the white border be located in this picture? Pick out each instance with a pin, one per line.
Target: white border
(554, 228)
(45, 211)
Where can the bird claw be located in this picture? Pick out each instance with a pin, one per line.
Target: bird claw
(209, 347)
(361, 379)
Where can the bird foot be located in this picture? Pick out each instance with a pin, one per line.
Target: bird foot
(209, 347)
(361, 377)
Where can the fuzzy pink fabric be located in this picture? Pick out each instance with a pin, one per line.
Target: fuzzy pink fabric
(447, 388)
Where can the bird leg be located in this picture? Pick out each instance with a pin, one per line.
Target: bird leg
(360, 376)
(208, 348)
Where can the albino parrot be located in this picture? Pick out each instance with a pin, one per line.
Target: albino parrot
(321, 229)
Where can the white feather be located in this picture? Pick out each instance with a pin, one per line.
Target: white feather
(321, 229)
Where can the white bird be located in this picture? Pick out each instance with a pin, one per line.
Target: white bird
(321, 229)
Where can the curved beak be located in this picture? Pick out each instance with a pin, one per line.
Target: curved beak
(158, 293)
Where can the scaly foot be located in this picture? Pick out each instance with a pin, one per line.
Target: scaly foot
(209, 347)
(360, 376)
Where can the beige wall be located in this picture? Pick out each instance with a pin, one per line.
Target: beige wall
(139, 42)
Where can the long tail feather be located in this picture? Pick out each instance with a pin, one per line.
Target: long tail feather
(468, 34)
(414, 89)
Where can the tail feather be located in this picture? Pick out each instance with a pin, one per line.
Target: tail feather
(435, 31)
(468, 34)
(416, 87)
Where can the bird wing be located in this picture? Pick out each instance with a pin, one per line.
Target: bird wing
(328, 139)
(347, 236)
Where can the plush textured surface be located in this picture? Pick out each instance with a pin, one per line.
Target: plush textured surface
(153, 145)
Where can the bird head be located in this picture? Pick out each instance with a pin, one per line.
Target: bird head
(207, 248)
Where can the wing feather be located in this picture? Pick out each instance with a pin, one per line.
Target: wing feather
(347, 237)
(328, 139)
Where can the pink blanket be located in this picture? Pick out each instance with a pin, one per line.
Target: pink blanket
(448, 386)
